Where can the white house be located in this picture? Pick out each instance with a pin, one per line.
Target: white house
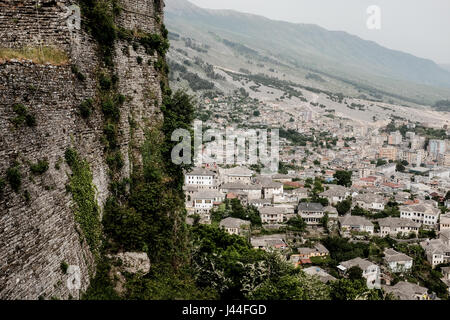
(425, 214)
(437, 251)
(393, 226)
(311, 213)
(369, 201)
(253, 191)
(335, 194)
(272, 189)
(271, 214)
(351, 223)
(371, 271)
(200, 177)
(204, 201)
(234, 225)
(397, 262)
(301, 193)
(237, 175)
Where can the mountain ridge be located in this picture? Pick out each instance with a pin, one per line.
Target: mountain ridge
(310, 45)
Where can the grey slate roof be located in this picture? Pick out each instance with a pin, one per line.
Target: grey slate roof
(406, 290)
(368, 198)
(349, 220)
(240, 186)
(259, 201)
(233, 222)
(201, 172)
(330, 209)
(207, 195)
(271, 210)
(362, 263)
(239, 172)
(390, 255)
(397, 222)
(310, 206)
(422, 208)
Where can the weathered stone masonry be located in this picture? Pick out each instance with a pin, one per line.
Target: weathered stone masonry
(36, 236)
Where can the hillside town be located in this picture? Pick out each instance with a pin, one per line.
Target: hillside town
(380, 194)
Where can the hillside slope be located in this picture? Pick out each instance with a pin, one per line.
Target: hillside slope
(346, 59)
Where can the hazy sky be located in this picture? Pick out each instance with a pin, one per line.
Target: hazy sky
(419, 27)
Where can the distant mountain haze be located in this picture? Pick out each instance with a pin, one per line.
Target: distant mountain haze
(307, 45)
(413, 26)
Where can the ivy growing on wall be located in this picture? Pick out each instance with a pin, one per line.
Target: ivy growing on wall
(86, 210)
(146, 212)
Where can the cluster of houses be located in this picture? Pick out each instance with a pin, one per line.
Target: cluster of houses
(206, 189)
(280, 197)
(376, 275)
(278, 200)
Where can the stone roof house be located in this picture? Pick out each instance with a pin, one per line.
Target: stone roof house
(272, 214)
(393, 226)
(408, 291)
(444, 222)
(274, 241)
(234, 225)
(251, 190)
(369, 201)
(237, 174)
(335, 194)
(311, 213)
(425, 214)
(351, 223)
(396, 261)
(318, 250)
(371, 271)
(437, 251)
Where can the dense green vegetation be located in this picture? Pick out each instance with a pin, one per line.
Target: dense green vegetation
(422, 273)
(86, 210)
(85, 108)
(145, 213)
(295, 137)
(429, 133)
(2, 186)
(23, 116)
(234, 208)
(40, 167)
(14, 176)
(343, 178)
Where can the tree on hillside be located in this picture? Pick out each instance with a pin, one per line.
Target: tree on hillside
(343, 178)
(355, 273)
(344, 206)
(297, 223)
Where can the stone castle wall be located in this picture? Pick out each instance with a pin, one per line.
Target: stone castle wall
(139, 82)
(36, 235)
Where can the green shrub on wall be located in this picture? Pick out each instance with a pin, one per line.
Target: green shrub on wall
(83, 191)
(2, 186)
(40, 167)
(14, 177)
(85, 108)
(23, 116)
